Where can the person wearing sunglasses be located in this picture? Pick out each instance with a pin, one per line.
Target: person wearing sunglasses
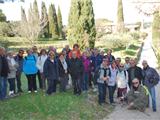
(151, 79)
(137, 97)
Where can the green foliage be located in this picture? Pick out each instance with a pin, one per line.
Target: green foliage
(53, 24)
(2, 16)
(135, 35)
(60, 24)
(35, 12)
(120, 18)
(23, 15)
(81, 21)
(44, 20)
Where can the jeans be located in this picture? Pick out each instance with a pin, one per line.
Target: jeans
(51, 86)
(3, 87)
(102, 93)
(85, 81)
(11, 84)
(153, 97)
(43, 79)
(111, 93)
(31, 82)
(40, 80)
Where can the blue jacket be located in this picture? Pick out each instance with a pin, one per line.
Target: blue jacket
(96, 61)
(29, 65)
(50, 69)
(150, 75)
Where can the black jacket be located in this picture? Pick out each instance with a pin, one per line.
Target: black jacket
(50, 69)
(76, 68)
(137, 73)
(5, 67)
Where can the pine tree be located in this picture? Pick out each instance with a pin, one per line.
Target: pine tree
(60, 24)
(120, 18)
(44, 20)
(81, 24)
(53, 25)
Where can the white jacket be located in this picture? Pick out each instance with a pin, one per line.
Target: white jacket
(40, 62)
(122, 79)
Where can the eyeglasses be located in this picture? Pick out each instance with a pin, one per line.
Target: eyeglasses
(134, 83)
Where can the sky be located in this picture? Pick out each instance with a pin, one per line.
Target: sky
(102, 9)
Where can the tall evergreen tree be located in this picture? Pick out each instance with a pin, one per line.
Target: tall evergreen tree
(53, 24)
(2, 16)
(35, 16)
(23, 15)
(44, 20)
(120, 17)
(156, 29)
(60, 24)
(81, 23)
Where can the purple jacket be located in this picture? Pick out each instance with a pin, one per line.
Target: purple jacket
(86, 64)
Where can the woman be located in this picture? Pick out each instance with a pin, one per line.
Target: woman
(63, 72)
(12, 74)
(112, 81)
(87, 69)
(50, 71)
(30, 70)
(40, 63)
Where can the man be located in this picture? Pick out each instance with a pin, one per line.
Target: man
(76, 71)
(3, 74)
(19, 59)
(134, 72)
(137, 96)
(103, 74)
(151, 79)
(110, 57)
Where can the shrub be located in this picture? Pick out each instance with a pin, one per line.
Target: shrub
(135, 35)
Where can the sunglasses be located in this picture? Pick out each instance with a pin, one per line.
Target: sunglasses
(134, 83)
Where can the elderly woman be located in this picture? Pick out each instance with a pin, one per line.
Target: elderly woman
(30, 70)
(13, 65)
(50, 71)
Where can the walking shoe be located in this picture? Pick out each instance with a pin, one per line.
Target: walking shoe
(29, 91)
(35, 91)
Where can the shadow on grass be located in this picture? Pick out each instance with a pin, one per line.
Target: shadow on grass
(115, 49)
(134, 47)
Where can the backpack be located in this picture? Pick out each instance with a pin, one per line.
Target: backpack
(98, 70)
(125, 74)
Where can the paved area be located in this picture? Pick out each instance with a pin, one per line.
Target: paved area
(121, 113)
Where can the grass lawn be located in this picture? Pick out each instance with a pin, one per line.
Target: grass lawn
(60, 106)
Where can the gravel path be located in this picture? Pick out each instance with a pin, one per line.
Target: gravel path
(121, 113)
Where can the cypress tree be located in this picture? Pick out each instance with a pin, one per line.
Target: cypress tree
(44, 20)
(81, 24)
(2, 16)
(120, 18)
(60, 24)
(23, 15)
(35, 16)
(53, 24)
(156, 29)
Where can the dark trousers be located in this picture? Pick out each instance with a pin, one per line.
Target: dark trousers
(63, 83)
(18, 80)
(11, 82)
(102, 93)
(31, 82)
(43, 79)
(85, 80)
(77, 85)
(40, 80)
(51, 86)
(3, 87)
(111, 90)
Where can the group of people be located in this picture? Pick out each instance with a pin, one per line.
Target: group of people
(90, 69)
